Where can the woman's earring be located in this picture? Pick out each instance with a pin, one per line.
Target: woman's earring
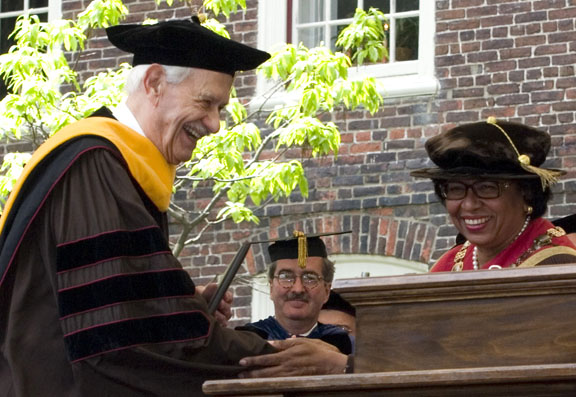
(529, 210)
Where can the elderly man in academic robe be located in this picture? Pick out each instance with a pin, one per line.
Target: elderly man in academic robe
(92, 301)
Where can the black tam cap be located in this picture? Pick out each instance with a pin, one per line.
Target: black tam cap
(184, 43)
(490, 149)
(299, 247)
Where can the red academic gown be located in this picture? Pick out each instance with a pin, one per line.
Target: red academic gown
(92, 301)
(521, 253)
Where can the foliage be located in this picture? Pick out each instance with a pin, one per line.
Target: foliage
(35, 69)
(12, 167)
(227, 7)
(236, 162)
(365, 37)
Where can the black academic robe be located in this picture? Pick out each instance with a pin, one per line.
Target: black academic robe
(92, 301)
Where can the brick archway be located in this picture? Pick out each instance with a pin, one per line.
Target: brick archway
(372, 234)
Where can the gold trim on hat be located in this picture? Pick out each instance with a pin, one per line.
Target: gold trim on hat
(547, 177)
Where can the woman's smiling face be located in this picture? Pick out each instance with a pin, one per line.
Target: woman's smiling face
(489, 223)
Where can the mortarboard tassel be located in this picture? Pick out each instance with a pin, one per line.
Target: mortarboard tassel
(302, 248)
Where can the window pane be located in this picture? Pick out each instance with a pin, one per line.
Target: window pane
(310, 11)
(6, 28)
(311, 37)
(407, 31)
(11, 5)
(38, 3)
(407, 5)
(334, 32)
(382, 5)
(344, 9)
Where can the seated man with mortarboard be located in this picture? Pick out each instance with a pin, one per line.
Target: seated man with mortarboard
(300, 279)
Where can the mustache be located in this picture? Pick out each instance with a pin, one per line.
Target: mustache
(297, 296)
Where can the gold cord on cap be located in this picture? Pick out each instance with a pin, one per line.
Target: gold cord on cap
(302, 248)
(547, 177)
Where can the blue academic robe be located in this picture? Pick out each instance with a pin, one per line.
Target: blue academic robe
(271, 329)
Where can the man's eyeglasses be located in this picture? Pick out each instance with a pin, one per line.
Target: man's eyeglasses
(482, 189)
(288, 279)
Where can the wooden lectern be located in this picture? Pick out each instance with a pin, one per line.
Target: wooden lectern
(509, 332)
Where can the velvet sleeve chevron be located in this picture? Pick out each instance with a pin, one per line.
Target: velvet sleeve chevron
(123, 290)
(115, 273)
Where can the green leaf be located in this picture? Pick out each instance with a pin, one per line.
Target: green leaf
(365, 37)
(102, 13)
(216, 27)
(11, 169)
(238, 212)
(227, 7)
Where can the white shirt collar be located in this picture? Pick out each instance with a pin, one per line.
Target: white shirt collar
(126, 117)
(305, 334)
(309, 331)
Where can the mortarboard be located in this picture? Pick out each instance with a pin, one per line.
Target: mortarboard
(300, 247)
(184, 43)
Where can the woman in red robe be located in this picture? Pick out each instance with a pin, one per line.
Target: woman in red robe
(490, 181)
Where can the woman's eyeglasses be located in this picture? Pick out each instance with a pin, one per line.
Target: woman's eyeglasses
(482, 189)
(288, 279)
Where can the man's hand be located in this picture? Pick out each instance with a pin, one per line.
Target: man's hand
(224, 310)
(297, 356)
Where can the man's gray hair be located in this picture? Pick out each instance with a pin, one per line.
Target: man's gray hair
(174, 75)
(328, 270)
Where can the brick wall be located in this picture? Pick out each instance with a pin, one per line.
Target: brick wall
(509, 59)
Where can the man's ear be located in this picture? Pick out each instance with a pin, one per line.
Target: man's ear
(153, 81)
(328, 287)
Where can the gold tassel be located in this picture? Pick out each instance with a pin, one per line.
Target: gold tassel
(302, 248)
(547, 177)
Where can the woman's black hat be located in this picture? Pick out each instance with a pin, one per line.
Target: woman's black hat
(490, 149)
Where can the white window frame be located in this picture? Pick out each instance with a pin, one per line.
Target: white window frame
(54, 10)
(407, 78)
(347, 266)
